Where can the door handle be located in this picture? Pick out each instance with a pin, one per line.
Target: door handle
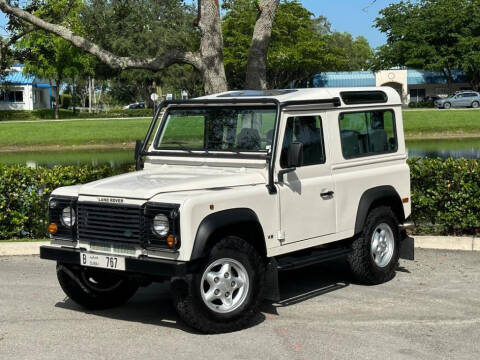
(327, 194)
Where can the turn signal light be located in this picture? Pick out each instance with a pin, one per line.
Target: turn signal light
(52, 228)
(171, 241)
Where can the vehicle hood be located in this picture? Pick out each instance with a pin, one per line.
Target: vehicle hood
(148, 183)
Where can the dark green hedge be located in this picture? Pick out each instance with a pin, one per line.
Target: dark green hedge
(42, 114)
(421, 104)
(22, 190)
(445, 195)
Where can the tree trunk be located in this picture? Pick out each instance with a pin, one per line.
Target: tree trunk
(57, 98)
(90, 94)
(73, 95)
(211, 47)
(208, 60)
(256, 78)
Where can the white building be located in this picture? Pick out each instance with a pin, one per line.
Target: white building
(24, 92)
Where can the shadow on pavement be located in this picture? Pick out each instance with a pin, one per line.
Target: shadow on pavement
(152, 305)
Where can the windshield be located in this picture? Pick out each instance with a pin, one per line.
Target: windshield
(236, 129)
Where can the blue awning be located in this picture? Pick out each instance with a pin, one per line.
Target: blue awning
(422, 77)
(344, 79)
(18, 78)
(42, 86)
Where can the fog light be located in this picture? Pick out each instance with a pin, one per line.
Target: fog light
(52, 228)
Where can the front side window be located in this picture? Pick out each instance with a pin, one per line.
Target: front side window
(235, 129)
(367, 133)
(308, 131)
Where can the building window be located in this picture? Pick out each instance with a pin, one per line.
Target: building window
(417, 95)
(11, 96)
(367, 133)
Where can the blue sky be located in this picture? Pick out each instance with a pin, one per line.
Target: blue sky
(354, 16)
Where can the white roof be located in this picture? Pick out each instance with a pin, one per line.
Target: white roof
(304, 94)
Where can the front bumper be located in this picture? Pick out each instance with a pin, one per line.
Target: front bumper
(142, 265)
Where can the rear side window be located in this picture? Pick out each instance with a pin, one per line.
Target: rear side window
(368, 133)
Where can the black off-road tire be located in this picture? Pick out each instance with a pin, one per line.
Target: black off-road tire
(188, 301)
(361, 262)
(113, 291)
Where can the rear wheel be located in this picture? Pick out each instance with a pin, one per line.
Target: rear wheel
(224, 295)
(376, 251)
(475, 104)
(94, 289)
(447, 105)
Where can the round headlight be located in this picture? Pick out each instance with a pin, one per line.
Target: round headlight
(68, 217)
(161, 225)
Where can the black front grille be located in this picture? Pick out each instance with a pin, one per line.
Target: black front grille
(97, 221)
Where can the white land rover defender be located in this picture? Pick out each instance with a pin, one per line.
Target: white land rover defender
(232, 188)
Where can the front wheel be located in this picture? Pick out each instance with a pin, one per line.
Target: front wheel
(224, 295)
(375, 252)
(447, 105)
(475, 104)
(93, 288)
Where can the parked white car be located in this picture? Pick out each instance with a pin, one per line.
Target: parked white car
(262, 182)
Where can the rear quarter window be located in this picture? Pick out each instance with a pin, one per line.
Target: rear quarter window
(367, 133)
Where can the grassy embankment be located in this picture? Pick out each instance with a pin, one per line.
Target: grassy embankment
(426, 124)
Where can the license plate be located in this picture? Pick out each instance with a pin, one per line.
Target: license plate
(102, 261)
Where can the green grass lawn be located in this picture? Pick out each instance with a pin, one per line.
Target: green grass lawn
(441, 123)
(76, 132)
(418, 124)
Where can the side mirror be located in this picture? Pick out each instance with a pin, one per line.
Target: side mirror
(294, 159)
(295, 155)
(138, 155)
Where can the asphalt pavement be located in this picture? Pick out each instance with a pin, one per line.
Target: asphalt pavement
(430, 310)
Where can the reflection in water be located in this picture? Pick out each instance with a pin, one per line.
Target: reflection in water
(112, 158)
(456, 148)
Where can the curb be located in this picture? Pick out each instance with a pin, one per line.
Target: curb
(21, 248)
(462, 243)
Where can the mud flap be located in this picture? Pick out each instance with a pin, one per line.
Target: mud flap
(407, 248)
(272, 290)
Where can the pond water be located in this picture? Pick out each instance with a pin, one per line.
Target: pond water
(114, 158)
(456, 148)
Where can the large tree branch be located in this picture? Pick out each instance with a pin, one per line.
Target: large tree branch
(256, 78)
(116, 62)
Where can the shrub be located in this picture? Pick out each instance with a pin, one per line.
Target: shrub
(23, 190)
(421, 104)
(65, 100)
(445, 195)
(42, 114)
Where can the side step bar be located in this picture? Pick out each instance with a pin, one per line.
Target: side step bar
(291, 262)
(296, 261)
